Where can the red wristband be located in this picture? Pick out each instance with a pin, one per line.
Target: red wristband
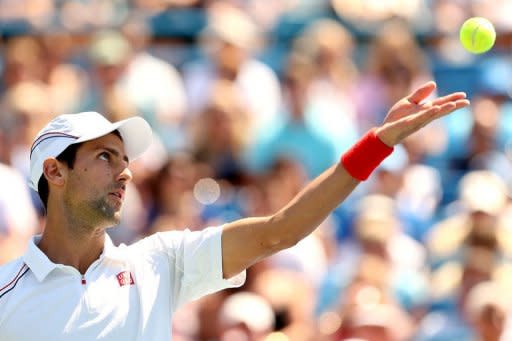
(366, 155)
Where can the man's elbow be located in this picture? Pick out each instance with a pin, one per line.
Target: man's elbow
(282, 236)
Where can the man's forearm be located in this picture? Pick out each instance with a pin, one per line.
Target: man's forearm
(264, 236)
(312, 205)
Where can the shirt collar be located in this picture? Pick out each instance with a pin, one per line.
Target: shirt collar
(110, 250)
(36, 260)
(41, 265)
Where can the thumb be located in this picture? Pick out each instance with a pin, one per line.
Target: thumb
(421, 93)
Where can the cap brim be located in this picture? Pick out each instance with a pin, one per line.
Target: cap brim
(135, 131)
(137, 136)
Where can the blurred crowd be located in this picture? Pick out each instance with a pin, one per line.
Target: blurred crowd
(250, 99)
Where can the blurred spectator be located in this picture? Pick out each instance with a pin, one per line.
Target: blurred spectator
(449, 15)
(66, 79)
(330, 108)
(475, 219)
(266, 14)
(245, 316)
(80, 16)
(173, 206)
(109, 53)
(486, 308)
(209, 317)
(380, 322)
(39, 82)
(23, 61)
(124, 70)
(164, 103)
(389, 176)
(415, 188)
(419, 199)
(220, 132)
(230, 40)
(292, 135)
(5, 144)
(378, 236)
(38, 13)
(331, 47)
(460, 307)
(366, 15)
(482, 137)
(27, 106)
(291, 297)
(494, 11)
(18, 219)
(395, 64)
(158, 5)
(466, 249)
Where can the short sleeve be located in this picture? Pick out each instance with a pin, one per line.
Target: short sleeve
(195, 263)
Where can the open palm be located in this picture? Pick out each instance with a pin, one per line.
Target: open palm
(411, 113)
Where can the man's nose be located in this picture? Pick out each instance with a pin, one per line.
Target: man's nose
(126, 175)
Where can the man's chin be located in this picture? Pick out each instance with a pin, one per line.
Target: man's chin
(115, 219)
(106, 214)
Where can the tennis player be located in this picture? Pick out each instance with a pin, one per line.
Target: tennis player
(74, 284)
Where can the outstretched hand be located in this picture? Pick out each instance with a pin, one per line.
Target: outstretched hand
(411, 113)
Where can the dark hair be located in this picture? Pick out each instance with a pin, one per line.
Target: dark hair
(68, 156)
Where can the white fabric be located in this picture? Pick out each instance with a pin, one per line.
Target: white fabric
(65, 130)
(48, 301)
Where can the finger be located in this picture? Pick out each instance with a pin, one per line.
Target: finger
(409, 124)
(415, 122)
(448, 108)
(422, 118)
(430, 114)
(449, 98)
(452, 106)
(462, 103)
(421, 93)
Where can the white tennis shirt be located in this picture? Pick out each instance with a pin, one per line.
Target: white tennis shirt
(129, 293)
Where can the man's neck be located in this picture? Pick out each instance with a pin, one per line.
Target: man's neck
(73, 246)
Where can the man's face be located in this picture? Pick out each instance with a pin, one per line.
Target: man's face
(95, 187)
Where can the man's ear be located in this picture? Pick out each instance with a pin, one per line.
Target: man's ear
(54, 172)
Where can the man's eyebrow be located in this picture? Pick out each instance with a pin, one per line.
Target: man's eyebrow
(115, 153)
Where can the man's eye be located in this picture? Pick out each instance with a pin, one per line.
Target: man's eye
(104, 156)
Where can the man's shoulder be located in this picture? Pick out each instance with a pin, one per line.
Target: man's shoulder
(174, 239)
(156, 239)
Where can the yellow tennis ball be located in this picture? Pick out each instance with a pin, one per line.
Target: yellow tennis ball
(477, 35)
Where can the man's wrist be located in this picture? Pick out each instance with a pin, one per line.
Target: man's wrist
(365, 155)
(382, 134)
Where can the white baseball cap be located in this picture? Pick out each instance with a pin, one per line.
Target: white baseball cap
(65, 130)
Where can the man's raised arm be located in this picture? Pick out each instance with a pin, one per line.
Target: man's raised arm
(246, 241)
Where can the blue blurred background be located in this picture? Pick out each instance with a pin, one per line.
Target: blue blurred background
(250, 99)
